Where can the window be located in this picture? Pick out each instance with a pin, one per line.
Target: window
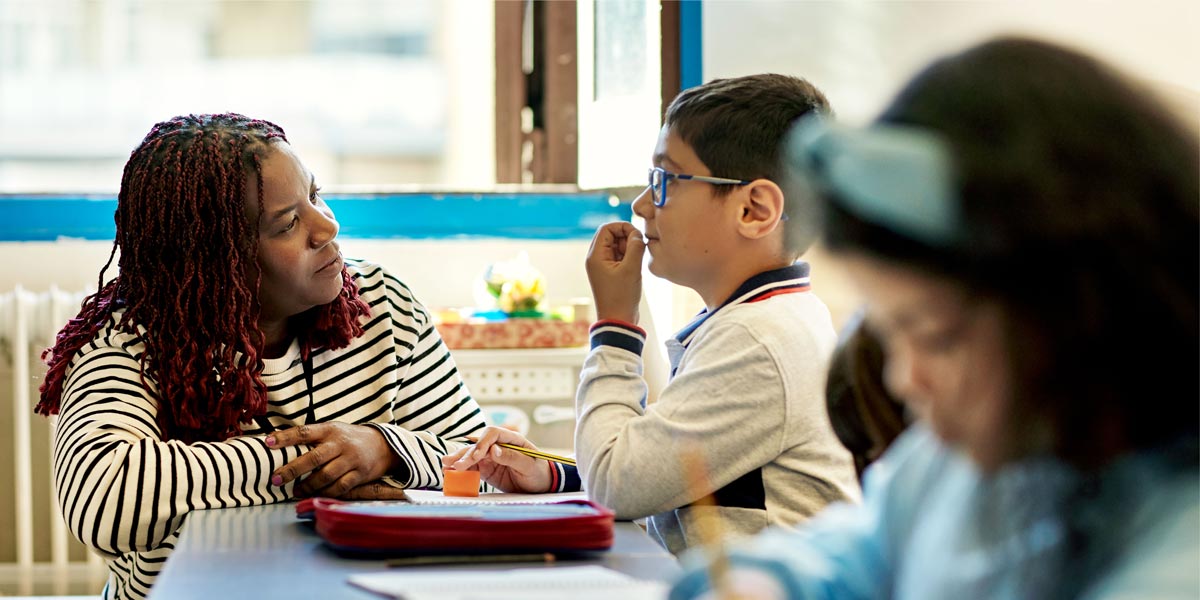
(366, 89)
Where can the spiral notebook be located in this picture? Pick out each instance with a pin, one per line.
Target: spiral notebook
(591, 582)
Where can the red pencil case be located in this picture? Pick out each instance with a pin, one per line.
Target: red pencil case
(401, 528)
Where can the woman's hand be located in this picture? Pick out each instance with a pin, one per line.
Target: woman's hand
(505, 469)
(342, 457)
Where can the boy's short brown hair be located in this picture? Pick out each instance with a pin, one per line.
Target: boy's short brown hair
(737, 126)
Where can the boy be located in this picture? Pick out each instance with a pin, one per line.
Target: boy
(747, 375)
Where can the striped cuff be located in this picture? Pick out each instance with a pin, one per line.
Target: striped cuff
(618, 334)
(564, 478)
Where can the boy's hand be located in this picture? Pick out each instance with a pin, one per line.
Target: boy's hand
(505, 469)
(614, 269)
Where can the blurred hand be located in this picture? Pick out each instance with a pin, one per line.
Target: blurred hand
(505, 469)
(747, 584)
(614, 270)
(342, 457)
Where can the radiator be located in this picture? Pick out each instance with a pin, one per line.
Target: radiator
(37, 554)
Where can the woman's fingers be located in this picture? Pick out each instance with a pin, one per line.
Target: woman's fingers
(305, 463)
(358, 447)
(331, 480)
(304, 434)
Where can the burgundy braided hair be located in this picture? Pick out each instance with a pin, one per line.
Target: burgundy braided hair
(188, 280)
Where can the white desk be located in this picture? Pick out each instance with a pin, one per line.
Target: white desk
(264, 551)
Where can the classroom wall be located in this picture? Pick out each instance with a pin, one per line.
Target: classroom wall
(859, 53)
(441, 272)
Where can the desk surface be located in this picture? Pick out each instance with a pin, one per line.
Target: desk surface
(231, 552)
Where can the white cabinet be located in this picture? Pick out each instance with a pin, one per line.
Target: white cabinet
(534, 387)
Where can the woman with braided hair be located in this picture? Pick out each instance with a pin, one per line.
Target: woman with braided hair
(237, 358)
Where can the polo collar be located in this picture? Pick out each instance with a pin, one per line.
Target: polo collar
(791, 279)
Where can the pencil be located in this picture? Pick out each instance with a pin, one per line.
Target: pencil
(466, 559)
(538, 454)
(708, 526)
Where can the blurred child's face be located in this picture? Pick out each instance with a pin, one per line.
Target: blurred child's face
(946, 356)
(299, 261)
(684, 237)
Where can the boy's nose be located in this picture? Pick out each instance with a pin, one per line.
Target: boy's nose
(643, 202)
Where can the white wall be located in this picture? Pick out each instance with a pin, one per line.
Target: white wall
(860, 52)
(440, 272)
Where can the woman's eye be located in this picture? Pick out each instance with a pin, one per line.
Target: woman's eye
(292, 224)
(316, 196)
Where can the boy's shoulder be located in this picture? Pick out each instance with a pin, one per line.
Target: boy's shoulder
(788, 326)
(779, 315)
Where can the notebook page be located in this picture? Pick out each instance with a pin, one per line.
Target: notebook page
(436, 497)
(578, 583)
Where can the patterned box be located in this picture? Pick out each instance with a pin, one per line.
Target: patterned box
(515, 333)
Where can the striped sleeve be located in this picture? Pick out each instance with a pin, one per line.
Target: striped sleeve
(433, 410)
(618, 334)
(121, 488)
(564, 478)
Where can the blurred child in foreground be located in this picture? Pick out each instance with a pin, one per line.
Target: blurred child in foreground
(1024, 223)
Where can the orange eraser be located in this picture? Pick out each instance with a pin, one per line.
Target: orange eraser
(460, 483)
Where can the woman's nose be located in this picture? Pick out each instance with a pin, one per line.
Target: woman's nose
(326, 229)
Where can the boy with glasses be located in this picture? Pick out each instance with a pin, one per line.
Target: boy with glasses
(745, 398)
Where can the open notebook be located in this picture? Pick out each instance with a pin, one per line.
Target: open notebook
(436, 497)
(577, 583)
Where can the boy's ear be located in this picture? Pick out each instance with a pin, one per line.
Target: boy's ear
(761, 209)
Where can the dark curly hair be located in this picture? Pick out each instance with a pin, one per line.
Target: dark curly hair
(1080, 202)
(187, 282)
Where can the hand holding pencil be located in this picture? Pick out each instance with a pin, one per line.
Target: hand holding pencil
(507, 460)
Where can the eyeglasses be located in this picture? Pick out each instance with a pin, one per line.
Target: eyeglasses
(659, 178)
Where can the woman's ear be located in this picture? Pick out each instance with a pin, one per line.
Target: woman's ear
(761, 209)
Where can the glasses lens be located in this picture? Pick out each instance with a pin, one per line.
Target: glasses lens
(656, 184)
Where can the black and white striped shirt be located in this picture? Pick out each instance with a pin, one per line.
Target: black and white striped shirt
(124, 492)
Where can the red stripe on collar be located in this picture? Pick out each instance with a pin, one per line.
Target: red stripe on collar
(780, 292)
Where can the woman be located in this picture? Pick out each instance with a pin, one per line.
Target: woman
(1024, 224)
(237, 358)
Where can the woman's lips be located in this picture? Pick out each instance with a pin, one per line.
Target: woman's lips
(337, 260)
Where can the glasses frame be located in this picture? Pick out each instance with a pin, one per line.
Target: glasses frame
(658, 194)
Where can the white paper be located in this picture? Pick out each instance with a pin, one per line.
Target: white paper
(548, 583)
(436, 497)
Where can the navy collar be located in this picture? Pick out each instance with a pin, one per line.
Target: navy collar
(790, 279)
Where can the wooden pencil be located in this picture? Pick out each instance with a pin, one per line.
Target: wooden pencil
(538, 454)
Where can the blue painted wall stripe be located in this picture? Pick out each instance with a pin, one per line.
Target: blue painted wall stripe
(373, 216)
(691, 43)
